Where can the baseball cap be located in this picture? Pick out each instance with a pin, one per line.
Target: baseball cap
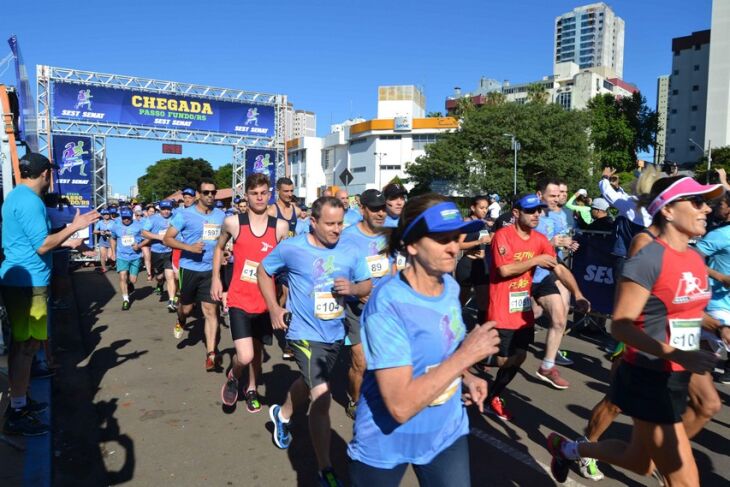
(138, 210)
(104, 211)
(372, 198)
(188, 191)
(393, 190)
(219, 204)
(600, 204)
(125, 213)
(528, 202)
(494, 196)
(166, 205)
(443, 217)
(237, 199)
(33, 164)
(681, 188)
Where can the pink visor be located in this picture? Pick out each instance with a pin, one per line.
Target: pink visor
(681, 189)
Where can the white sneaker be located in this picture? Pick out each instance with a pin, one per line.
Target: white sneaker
(589, 469)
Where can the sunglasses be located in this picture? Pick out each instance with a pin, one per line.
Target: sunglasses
(697, 201)
(211, 192)
(531, 211)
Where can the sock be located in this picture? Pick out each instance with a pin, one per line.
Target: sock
(504, 377)
(569, 449)
(18, 402)
(281, 418)
(548, 364)
(125, 297)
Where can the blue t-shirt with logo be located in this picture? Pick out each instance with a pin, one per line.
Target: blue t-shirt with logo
(400, 328)
(551, 223)
(104, 226)
(715, 245)
(194, 226)
(127, 236)
(391, 221)
(317, 315)
(25, 228)
(302, 226)
(158, 224)
(352, 216)
(369, 249)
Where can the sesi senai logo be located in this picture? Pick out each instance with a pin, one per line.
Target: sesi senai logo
(690, 288)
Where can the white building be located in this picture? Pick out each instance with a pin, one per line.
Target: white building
(688, 97)
(300, 123)
(662, 109)
(373, 151)
(591, 36)
(717, 120)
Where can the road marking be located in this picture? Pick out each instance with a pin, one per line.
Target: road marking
(518, 455)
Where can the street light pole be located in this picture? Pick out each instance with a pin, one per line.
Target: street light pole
(380, 156)
(709, 156)
(516, 147)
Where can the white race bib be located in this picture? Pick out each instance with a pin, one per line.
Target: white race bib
(483, 233)
(400, 261)
(127, 240)
(519, 301)
(248, 273)
(378, 265)
(448, 392)
(211, 231)
(685, 334)
(327, 307)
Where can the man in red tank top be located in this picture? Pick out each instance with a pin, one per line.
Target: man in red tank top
(254, 235)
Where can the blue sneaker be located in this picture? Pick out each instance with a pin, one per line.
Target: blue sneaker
(282, 437)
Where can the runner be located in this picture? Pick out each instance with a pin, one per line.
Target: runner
(103, 231)
(154, 229)
(411, 409)
(284, 207)
(517, 250)
(25, 275)
(186, 202)
(494, 209)
(254, 234)
(366, 236)
(658, 314)
(128, 241)
(140, 216)
(199, 228)
(395, 198)
(303, 221)
(352, 215)
(471, 271)
(322, 272)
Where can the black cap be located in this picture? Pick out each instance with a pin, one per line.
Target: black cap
(33, 164)
(393, 190)
(372, 198)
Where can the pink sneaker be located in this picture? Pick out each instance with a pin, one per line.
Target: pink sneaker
(552, 377)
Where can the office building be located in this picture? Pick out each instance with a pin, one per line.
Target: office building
(300, 123)
(717, 119)
(662, 108)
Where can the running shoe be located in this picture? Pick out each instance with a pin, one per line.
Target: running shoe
(210, 361)
(327, 478)
(657, 475)
(724, 378)
(561, 358)
(178, 331)
(229, 391)
(282, 437)
(24, 423)
(496, 408)
(171, 307)
(559, 466)
(125, 305)
(350, 410)
(31, 406)
(287, 354)
(589, 469)
(552, 377)
(253, 405)
(158, 290)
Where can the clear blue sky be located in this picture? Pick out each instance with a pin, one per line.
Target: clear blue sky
(328, 56)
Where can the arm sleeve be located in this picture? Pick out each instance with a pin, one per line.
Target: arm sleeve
(147, 226)
(644, 267)
(712, 243)
(386, 343)
(569, 204)
(502, 253)
(361, 272)
(178, 221)
(274, 262)
(35, 228)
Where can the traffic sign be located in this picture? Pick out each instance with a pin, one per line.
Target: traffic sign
(346, 177)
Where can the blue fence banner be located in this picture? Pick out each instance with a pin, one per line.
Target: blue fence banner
(593, 268)
(264, 162)
(27, 124)
(73, 154)
(76, 101)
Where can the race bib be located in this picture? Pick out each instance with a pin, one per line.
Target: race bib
(400, 261)
(211, 231)
(483, 233)
(685, 334)
(519, 302)
(248, 273)
(327, 307)
(448, 392)
(127, 240)
(378, 265)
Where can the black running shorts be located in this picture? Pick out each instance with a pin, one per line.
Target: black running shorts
(195, 286)
(315, 359)
(161, 262)
(246, 325)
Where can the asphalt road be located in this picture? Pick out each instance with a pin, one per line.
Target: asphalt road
(133, 405)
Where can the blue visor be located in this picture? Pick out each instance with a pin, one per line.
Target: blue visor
(166, 205)
(125, 213)
(188, 191)
(529, 202)
(441, 218)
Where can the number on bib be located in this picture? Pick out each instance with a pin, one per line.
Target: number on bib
(378, 265)
(326, 306)
(248, 273)
(127, 240)
(685, 334)
(519, 302)
(211, 231)
(400, 262)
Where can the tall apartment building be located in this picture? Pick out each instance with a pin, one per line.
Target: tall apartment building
(662, 108)
(591, 36)
(688, 97)
(300, 123)
(717, 121)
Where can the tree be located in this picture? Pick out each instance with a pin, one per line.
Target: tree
(720, 159)
(536, 93)
(434, 115)
(166, 176)
(224, 176)
(478, 158)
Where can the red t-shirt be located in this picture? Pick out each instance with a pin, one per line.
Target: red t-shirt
(510, 304)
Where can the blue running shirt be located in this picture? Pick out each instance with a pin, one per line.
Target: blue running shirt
(368, 248)
(104, 226)
(715, 245)
(403, 328)
(391, 222)
(352, 216)
(551, 224)
(126, 236)
(158, 224)
(195, 226)
(317, 315)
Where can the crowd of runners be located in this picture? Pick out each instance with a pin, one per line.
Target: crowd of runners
(389, 279)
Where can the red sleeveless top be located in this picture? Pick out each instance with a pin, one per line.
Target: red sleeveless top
(248, 252)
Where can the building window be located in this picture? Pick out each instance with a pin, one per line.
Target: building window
(564, 100)
(695, 87)
(389, 137)
(673, 131)
(359, 141)
(693, 128)
(359, 169)
(694, 108)
(420, 141)
(698, 47)
(671, 150)
(326, 159)
(394, 167)
(691, 148)
(675, 92)
(675, 72)
(674, 111)
(697, 67)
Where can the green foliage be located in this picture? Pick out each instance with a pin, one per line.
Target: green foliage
(478, 158)
(166, 176)
(536, 93)
(434, 115)
(720, 159)
(224, 176)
